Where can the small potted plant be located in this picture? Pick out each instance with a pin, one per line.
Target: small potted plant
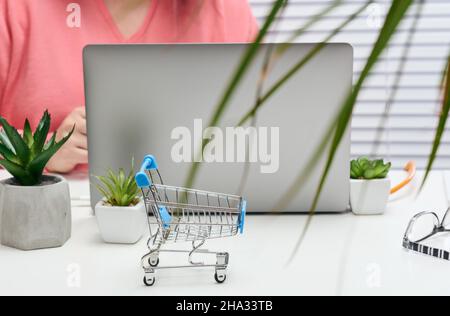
(370, 186)
(121, 214)
(35, 209)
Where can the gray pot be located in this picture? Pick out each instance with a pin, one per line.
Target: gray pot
(35, 217)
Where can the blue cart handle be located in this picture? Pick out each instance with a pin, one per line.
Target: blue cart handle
(242, 216)
(141, 177)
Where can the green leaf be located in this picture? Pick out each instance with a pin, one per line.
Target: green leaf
(395, 16)
(120, 188)
(399, 73)
(443, 118)
(130, 186)
(363, 168)
(272, 56)
(379, 170)
(20, 174)
(121, 180)
(5, 141)
(355, 169)
(26, 155)
(314, 19)
(114, 179)
(125, 201)
(246, 60)
(363, 163)
(51, 142)
(369, 174)
(37, 165)
(387, 170)
(27, 134)
(8, 154)
(20, 147)
(102, 191)
(107, 182)
(295, 69)
(305, 174)
(40, 135)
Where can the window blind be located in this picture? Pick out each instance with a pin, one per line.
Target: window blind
(410, 127)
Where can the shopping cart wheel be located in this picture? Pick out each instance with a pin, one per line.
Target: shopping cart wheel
(149, 280)
(153, 262)
(220, 278)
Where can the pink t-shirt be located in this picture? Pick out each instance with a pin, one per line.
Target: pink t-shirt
(41, 45)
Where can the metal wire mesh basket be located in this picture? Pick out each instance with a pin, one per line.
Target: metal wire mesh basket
(178, 214)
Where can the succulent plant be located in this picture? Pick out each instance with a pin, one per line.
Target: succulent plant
(25, 156)
(119, 189)
(366, 169)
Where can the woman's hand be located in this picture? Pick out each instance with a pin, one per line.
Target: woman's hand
(75, 151)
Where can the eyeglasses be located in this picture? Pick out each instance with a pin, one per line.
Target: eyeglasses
(423, 226)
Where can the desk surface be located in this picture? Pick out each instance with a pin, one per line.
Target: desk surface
(342, 255)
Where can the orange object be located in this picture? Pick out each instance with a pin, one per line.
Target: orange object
(411, 169)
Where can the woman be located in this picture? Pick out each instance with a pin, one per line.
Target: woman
(41, 46)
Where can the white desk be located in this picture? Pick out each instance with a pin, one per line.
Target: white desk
(342, 254)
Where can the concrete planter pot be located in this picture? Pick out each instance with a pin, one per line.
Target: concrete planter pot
(369, 197)
(35, 217)
(121, 225)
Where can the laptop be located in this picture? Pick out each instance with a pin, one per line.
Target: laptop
(159, 99)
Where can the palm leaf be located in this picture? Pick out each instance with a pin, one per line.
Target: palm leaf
(396, 14)
(269, 61)
(443, 118)
(237, 77)
(398, 76)
(271, 57)
(295, 69)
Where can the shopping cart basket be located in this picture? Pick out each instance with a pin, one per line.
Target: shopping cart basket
(178, 214)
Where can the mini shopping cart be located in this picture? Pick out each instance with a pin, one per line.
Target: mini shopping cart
(178, 214)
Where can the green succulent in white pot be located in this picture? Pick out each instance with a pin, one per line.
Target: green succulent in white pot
(35, 209)
(121, 214)
(370, 186)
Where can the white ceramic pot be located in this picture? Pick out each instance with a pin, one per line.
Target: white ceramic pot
(35, 217)
(121, 225)
(369, 197)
